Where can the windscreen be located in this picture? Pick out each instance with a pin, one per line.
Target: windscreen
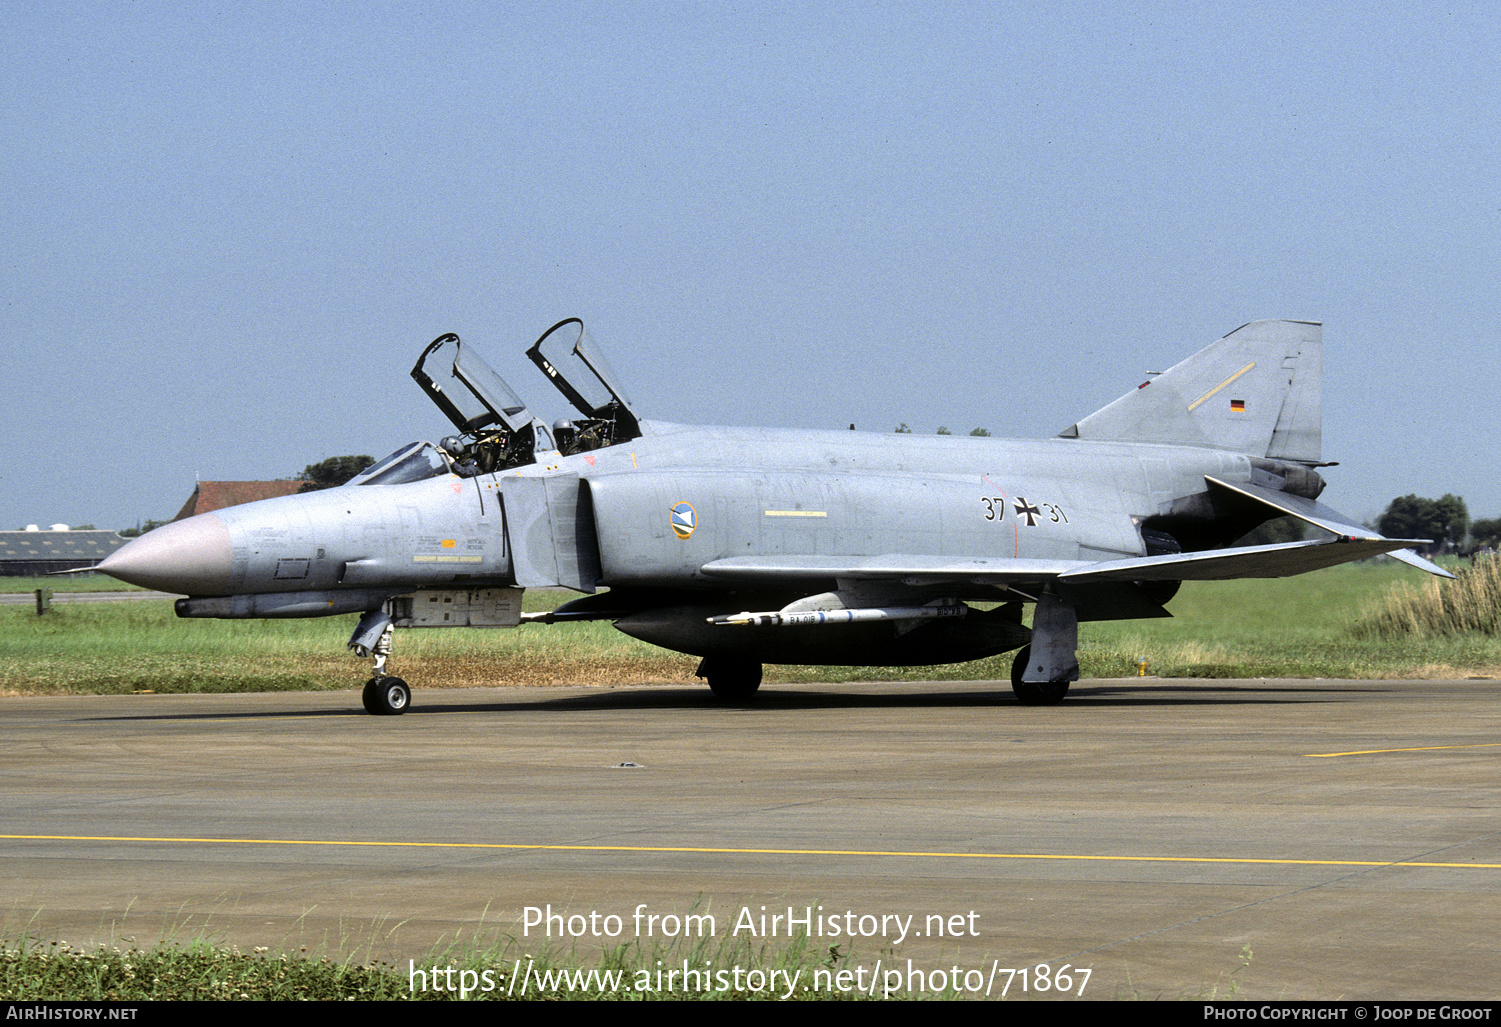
(412, 462)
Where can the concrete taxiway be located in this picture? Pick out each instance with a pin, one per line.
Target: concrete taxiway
(1179, 839)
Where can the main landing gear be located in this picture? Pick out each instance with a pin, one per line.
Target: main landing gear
(1042, 670)
(1034, 693)
(384, 696)
(730, 677)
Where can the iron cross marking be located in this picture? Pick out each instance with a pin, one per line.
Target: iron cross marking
(1027, 510)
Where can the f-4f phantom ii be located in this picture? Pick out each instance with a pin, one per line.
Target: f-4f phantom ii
(746, 546)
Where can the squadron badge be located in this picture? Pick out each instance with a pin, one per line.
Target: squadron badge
(684, 520)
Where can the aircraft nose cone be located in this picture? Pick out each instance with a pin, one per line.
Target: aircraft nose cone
(190, 557)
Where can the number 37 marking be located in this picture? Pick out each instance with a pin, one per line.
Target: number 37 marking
(1026, 512)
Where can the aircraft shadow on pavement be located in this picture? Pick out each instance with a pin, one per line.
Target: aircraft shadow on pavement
(772, 698)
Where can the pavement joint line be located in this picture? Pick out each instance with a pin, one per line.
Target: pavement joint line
(722, 850)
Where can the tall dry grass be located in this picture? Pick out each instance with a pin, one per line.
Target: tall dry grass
(1468, 604)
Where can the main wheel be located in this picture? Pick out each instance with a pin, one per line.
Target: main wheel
(1032, 693)
(730, 678)
(386, 697)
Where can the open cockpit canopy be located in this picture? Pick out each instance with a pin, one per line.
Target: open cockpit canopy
(577, 367)
(475, 398)
(497, 430)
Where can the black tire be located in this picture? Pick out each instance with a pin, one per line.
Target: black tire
(730, 678)
(1031, 693)
(386, 697)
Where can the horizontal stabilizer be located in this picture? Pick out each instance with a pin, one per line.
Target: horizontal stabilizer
(1320, 516)
(1412, 559)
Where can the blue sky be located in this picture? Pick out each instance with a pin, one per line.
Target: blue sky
(231, 229)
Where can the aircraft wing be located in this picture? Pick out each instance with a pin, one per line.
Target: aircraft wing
(1273, 561)
(1321, 516)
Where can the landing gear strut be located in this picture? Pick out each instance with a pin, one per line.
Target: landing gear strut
(384, 696)
(730, 677)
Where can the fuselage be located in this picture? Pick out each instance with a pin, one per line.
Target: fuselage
(653, 511)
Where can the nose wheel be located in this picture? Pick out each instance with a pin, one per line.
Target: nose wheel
(386, 697)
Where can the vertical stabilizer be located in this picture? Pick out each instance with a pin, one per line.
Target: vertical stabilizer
(1257, 391)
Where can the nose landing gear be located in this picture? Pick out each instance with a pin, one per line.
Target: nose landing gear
(384, 696)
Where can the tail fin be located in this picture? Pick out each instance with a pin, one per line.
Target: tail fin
(1257, 391)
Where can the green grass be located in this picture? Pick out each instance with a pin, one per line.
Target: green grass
(66, 583)
(1307, 626)
(31, 972)
(1304, 626)
(198, 971)
(140, 645)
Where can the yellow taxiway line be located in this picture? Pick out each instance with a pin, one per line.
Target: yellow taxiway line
(721, 850)
(1415, 748)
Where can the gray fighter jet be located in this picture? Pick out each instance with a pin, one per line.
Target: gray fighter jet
(746, 546)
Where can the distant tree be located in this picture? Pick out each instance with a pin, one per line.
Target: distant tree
(333, 472)
(1452, 511)
(1445, 521)
(83, 527)
(983, 433)
(943, 430)
(902, 429)
(1486, 532)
